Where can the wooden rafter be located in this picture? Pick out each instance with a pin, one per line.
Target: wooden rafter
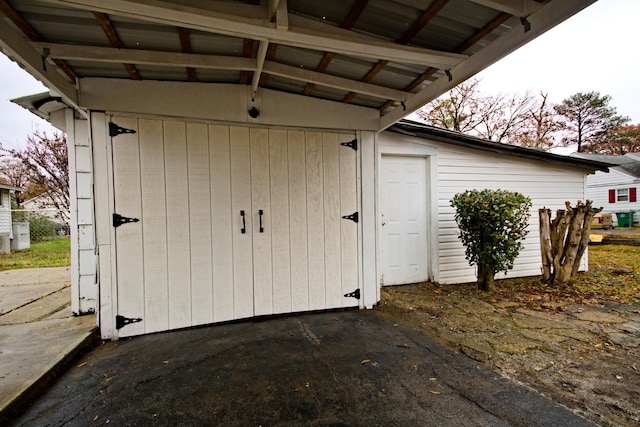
(271, 53)
(521, 8)
(185, 45)
(479, 35)
(33, 35)
(180, 59)
(210, 17)
(547, 17)
(247, 49)
(415, 28)
(114, 39)
(347, 24)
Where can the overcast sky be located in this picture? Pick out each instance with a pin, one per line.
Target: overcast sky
(592, 51)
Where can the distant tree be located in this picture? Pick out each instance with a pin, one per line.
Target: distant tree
(503, 117)
(588, 117)
(541, 127)
(44, 162)
(458, 110)
(620, 140)
(15, 174)
(520, 119)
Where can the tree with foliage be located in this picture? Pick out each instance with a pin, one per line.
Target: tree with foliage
(492, 226)
(617, 141)
(44, 161)
(588, 118)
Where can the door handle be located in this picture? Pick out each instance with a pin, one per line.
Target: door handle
(260, 213)
(244, 224)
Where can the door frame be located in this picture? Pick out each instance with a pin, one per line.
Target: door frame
(403, 146)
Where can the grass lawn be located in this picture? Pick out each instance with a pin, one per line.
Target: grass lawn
(614, 275)
(52, 253)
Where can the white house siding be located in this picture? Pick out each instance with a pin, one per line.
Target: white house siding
(599, 184)
(5, 212)
(460, 169)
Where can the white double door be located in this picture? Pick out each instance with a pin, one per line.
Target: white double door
(234, 222)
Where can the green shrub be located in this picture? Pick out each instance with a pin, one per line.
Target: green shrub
(492, 226)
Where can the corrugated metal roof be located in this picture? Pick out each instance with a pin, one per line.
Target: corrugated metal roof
(340, 38)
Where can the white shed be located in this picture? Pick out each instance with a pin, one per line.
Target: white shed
(225, 154)
(421, 168)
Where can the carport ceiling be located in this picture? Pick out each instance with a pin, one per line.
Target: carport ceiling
(391, 55)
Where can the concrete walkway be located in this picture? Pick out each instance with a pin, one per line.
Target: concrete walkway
(39, 335)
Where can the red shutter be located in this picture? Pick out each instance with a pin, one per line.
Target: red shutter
(612, 196)
(632, 194)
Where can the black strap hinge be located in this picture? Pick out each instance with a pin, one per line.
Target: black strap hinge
(115, 130)
(122, 321)
(353, 217)
(118, 220)
(355, 294)
(352, 144)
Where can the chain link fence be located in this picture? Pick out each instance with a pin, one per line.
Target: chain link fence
(44, 224)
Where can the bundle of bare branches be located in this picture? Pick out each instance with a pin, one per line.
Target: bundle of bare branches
(564, 240)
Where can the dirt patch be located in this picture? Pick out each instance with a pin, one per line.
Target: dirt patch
(584, 354)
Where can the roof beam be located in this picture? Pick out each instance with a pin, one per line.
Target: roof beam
(185, 45)
(335, 82)
(520, 8)
(262, 54)
(180, 59)
(205, 19)
(114, 39)
(426, 16)
(15, 46)
(550, 15)
(33, 35)
(146, 57)
(347, 24)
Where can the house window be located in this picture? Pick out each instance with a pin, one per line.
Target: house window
(622, 195)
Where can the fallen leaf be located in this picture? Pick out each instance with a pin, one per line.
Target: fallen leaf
(96, 418)
(365, 361)
(634, 367)
(82, 364)
(435, 392)
(433, 379)
(402, 346)
(299, 389)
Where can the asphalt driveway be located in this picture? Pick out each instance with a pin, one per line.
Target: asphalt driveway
(348, 368)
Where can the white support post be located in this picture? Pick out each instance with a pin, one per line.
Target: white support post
(84, 292)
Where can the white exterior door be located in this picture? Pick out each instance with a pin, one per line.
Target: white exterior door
(234, 222)
(403, 206)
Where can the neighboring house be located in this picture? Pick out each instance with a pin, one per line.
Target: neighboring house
(226, 158)
(41, 205)
(6, 226)
(617, 191)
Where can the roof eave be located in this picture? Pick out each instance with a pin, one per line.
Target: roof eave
(460, 139)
